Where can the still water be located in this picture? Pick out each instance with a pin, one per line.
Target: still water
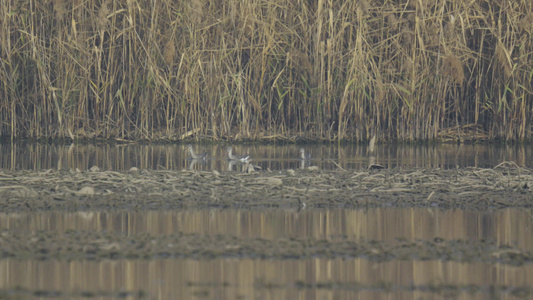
(31, 156)
(246, 278)
(276, 279)
(256, 279)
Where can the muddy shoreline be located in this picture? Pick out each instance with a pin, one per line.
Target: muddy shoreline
(469, 188)
(86, 245)
(65, 191)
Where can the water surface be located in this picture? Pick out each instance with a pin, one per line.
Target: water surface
(32, 156)
(257, 279)
(505, 226)
(247, 278)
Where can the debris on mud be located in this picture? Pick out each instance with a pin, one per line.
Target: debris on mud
(472, 188)
(71, 245)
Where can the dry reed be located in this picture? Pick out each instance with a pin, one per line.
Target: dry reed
(323, 70)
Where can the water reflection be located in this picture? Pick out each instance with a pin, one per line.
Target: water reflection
(195, 164)
(258, 279)
(35, 156)
(505, 226)
(276, 279)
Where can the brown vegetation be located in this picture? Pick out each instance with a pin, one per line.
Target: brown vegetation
(323, 69)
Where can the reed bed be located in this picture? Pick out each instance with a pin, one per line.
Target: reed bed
(267, 70)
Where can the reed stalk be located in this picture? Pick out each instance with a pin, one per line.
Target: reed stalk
(252, 70)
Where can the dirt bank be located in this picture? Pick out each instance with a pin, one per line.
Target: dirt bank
(112, 245)
(470, 188)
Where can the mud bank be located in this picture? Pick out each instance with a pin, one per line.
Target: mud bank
(74, 245)
(470, 188)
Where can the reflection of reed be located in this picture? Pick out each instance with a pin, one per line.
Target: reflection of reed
(256, 278)
(197, 164)
(232, 277)
(122, 157)
(384, 224)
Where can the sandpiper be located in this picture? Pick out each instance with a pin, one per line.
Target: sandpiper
(243, 158)
(196, 156)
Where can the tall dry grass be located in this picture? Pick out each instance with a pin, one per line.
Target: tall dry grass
(324, 69)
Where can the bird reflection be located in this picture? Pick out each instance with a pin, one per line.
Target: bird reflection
(197, 161)
(245, 167)
(372, 165)
(305, 159)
